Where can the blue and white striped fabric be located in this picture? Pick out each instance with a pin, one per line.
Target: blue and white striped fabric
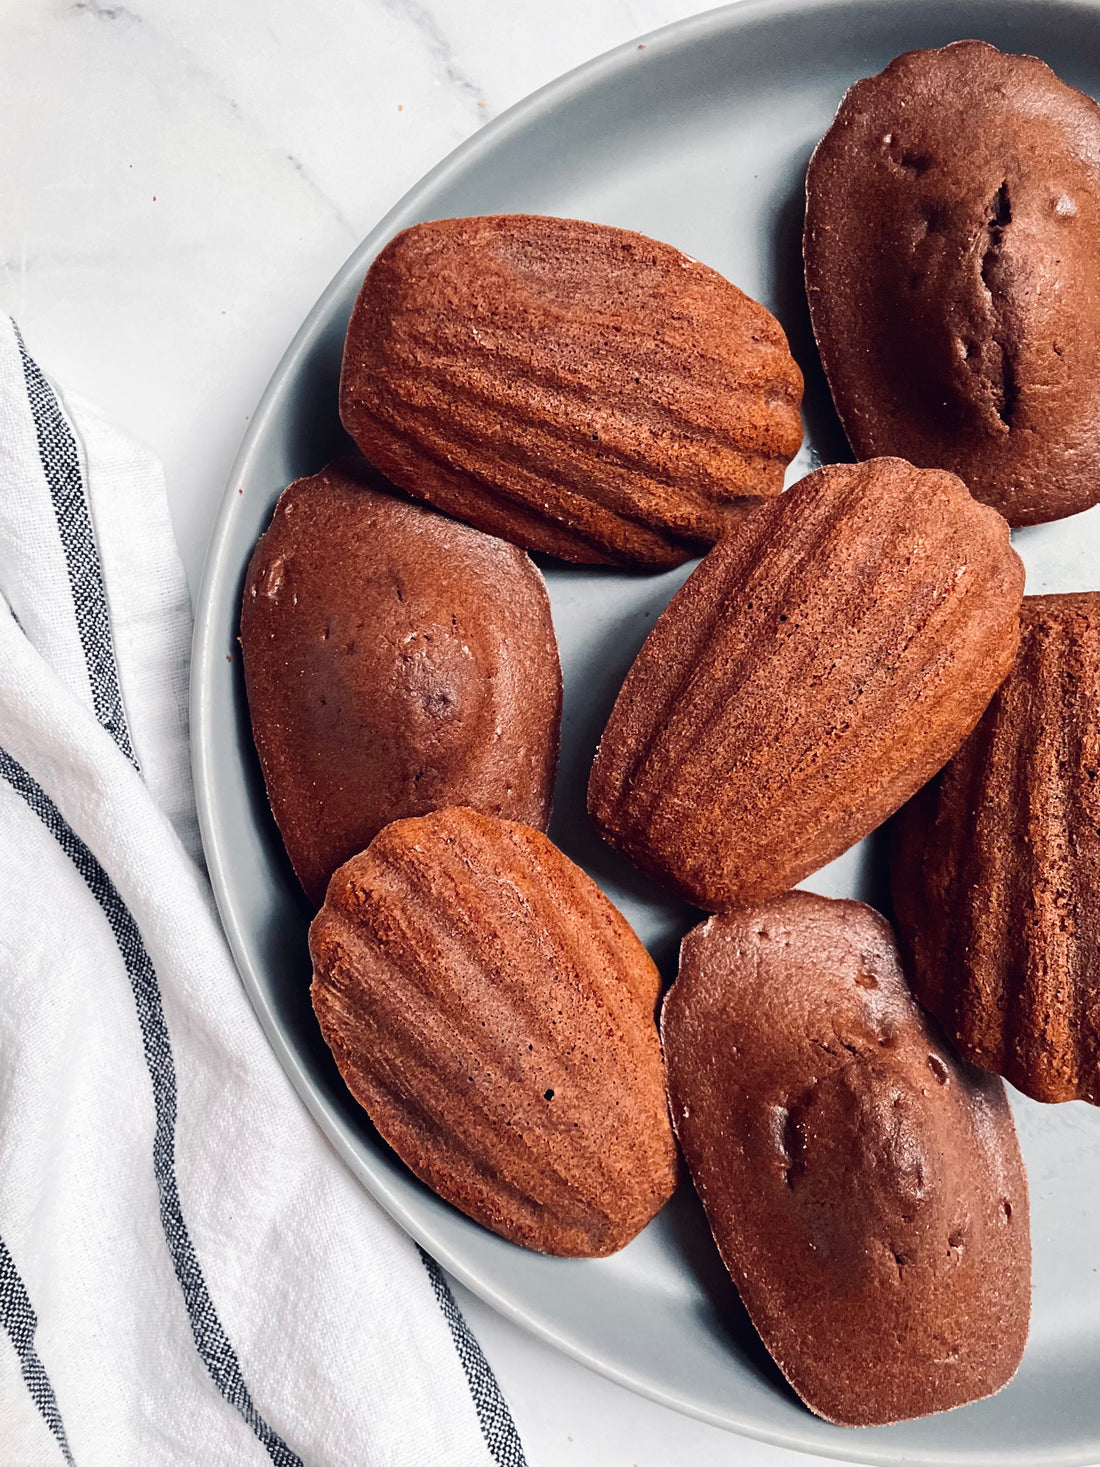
(188, 1275)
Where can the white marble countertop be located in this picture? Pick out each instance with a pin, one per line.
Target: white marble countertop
(179, 183)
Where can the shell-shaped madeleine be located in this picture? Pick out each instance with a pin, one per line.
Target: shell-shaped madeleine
(811, 674)
(952, 255)
(494, 1015)
(996, 867)
(865, 1189)
(574, 388)
(396, 662)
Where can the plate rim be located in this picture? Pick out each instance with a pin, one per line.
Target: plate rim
(205, 647)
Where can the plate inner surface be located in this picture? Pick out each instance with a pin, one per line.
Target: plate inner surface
(700, 138)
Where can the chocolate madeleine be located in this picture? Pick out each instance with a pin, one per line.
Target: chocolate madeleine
(996, 867)
(494, 1015)
(953, 270)
(395, 662)
(811, 674)
(577, 389)
(865, 1189)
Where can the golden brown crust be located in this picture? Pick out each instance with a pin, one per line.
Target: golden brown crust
(865, 1190)
(952, 255)
(395, 661)
(811, 674)
(996, 867)
(494, 1015)
(574, 388)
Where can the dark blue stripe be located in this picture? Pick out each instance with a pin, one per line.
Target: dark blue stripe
(211, 1341)
(497, 1426)
(61, 465)
(19, 1319)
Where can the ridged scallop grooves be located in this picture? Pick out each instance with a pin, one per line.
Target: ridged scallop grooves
(996, 867)
(577, 389)
(865, 1189)
(811, 674)
(495, 1016)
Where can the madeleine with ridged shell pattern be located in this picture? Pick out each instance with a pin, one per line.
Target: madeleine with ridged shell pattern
(396, 661)
(996, 867)
(577, 389)
(495, 1016)
(952, 252)
(814, 670)
(865, 1189)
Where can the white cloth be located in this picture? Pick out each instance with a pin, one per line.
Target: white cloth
(188, 1274)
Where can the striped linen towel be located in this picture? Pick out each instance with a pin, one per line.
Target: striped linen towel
(188, 1274)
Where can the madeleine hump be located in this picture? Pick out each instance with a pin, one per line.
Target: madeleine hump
(495, 1016)
(577, 389)
(810, 675)
(395, 662)
(996, 867)
(865, 1189)
(952, 252)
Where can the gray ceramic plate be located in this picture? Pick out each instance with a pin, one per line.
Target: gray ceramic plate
(699, 137)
